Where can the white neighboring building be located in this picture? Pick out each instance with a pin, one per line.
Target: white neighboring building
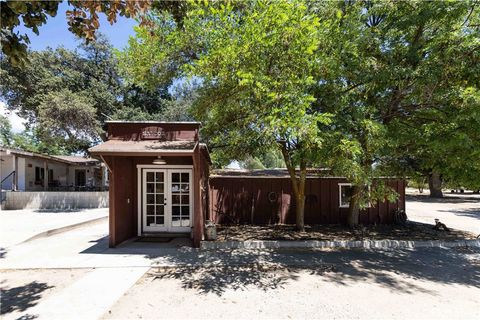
(27, 171)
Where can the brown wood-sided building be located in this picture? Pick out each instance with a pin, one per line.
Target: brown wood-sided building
(157, 173)
(160, 185)
(265, 197)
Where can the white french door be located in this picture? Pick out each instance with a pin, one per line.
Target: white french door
(166, 200)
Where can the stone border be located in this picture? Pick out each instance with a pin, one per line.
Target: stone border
(316, 244)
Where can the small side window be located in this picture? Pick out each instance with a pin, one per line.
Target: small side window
(345, 191)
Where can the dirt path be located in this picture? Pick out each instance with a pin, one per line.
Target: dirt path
(461, 213)
(400, 284)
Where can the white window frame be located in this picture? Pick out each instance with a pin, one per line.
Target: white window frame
(140, 188)
(190, 195)
(340, 185)
(165, 225)
(347, 184)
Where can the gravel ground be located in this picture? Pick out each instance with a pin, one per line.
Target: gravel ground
(458, 211)
(401, 284)
(422, 283)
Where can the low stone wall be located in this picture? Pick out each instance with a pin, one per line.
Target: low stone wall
(55, 200)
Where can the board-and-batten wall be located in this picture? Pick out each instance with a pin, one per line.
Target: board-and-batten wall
(267, 200)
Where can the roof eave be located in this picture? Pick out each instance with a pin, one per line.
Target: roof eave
(142, 153)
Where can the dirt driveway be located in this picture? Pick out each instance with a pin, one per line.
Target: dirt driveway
(75, 275)
(457, 211)
(422, 283)
(402, 284)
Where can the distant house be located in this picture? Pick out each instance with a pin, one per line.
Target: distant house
(27, 171)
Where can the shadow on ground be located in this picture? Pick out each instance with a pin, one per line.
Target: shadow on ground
(216, 279)
(23, 297)
(217, 271)
(60, 210)
(447, 199)
(411, 231)
(469, 212)
(3, 252)
(392, 269)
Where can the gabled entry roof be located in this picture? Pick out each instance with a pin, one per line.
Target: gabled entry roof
(151, 138)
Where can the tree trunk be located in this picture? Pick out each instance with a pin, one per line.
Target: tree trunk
(300, 213)
(435, 185)
(298, 186)
(354, 207)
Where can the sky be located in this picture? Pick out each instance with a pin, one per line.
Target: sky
(16, 121)
(55, 33)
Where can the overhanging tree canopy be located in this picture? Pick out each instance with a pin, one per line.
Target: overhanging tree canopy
(256, 66)
(330, 82)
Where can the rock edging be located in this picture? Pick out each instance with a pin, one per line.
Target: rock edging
(316, 244)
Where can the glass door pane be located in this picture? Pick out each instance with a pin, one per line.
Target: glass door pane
(180, 198)
(154, 200)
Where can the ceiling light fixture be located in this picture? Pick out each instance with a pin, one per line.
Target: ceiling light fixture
(159, 160)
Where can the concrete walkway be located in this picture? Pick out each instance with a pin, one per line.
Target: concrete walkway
(19, 225)
(109, 272)
(88, 248)
(90, 296)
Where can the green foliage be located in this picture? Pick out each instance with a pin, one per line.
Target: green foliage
(6, 135)
(66, 95)
(252, 163)
(32, 15)
(405, 72)
(257, 64)
(27, 140)
(418, 182)
(367, 88)
(256, 69)
(442, 131)
(272, 159)
(82, 18)
(265, 160)
(69, 115)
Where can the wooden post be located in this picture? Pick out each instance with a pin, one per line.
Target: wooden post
(45, 175)
(15, 175)
(67, 177)
(198, 221)
(111, 198)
